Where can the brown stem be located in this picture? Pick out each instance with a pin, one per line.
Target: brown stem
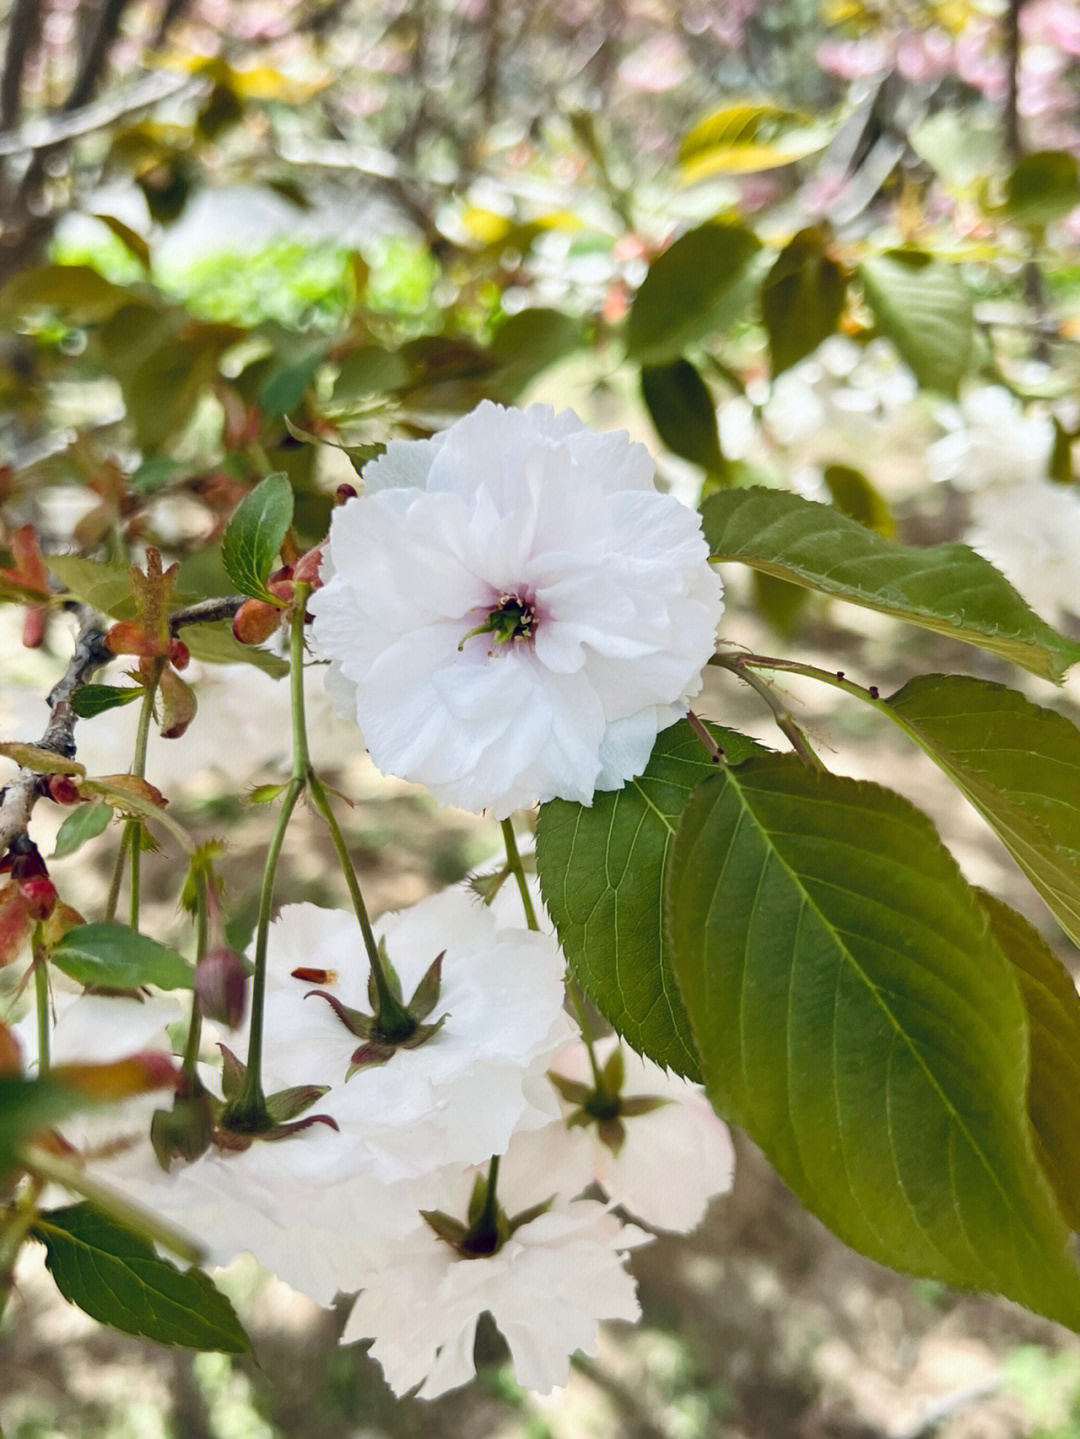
(207, 612)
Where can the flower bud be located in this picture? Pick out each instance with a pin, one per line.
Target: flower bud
(62, 789)
(39, 896)
(343, 493)
(221, 981)
(35, 623)
(307, 568)
(255, 621)
(178, 704)
(179, 654)
(184, 1131)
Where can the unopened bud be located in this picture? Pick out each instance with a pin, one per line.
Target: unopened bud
(255, 621)
(184, 1131)
(62, 789)
(343, 493)
(39, 896)
(179, 654)
(221, 984)
(307, 568)
(178, 704)
(35, 623)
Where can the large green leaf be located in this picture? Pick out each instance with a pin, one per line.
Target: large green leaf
(251, 543)
(1017, 763)
(946, 588)
(1053, 1009)
(926, 310)
(116, 1277)
(119, 958)
(854, 1013)
(602, 875)
(27, 1105)
(802, 298)
(695, 288)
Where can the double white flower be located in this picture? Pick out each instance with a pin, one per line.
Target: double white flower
(513, 612)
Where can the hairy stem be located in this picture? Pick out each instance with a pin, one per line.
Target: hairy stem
(786, 723)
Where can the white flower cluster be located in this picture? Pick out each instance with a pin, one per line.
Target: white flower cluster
(512, 613)
(381, 1198)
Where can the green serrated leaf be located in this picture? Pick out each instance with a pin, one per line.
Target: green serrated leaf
(1017, 763)
(683, 412)
(695, 288)
(93, 700)
(945, 588)
(602, 877)
(926, 310)
(117, 957)
(802, 299)
(85, 822)
(116, 1277)
(1053, 1010)
(254, 537)
(854, 1013)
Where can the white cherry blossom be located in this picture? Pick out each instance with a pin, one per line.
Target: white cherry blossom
(672, 1159)
(548, 1286)
(512, 611)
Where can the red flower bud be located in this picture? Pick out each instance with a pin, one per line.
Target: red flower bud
(255, 621)
(62, 789)
(343, 493)
(35, 623)
(307, 568)
(179, 654)
(39, 896)
(221, 983)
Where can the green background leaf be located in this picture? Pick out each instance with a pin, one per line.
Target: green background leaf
(945, 588)
(119, 958)
(853, 1012)
(1017, 763)
(802, 299)
(695, 288)
(924, 307)
(116, 1277)
(683, 412)
(602, 876)
(253, 539)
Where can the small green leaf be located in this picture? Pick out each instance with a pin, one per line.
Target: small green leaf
(924, 307)
(683, 412)
(854, 1013)
(1042, 187)
(527, 343)
(27, 1105)
(695, 288)
(85, 822)
(1053, 1009)
(1017, 763)
(117, 1277)
(93, 700)
(602, 875)
(254, 537)
(802, 298)
(288, 386)
(945, 588)
(854, 496)
(116, 957)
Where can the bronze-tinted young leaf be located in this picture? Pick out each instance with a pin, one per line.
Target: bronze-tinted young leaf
(1017, 763)
(602, 874)
(39, 759)
(1053, 1009)
(945, 588)
(854, 1013)
(117, 1277)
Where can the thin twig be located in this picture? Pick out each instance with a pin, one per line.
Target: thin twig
(207, 612)
(785, 720)
(17, 799)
